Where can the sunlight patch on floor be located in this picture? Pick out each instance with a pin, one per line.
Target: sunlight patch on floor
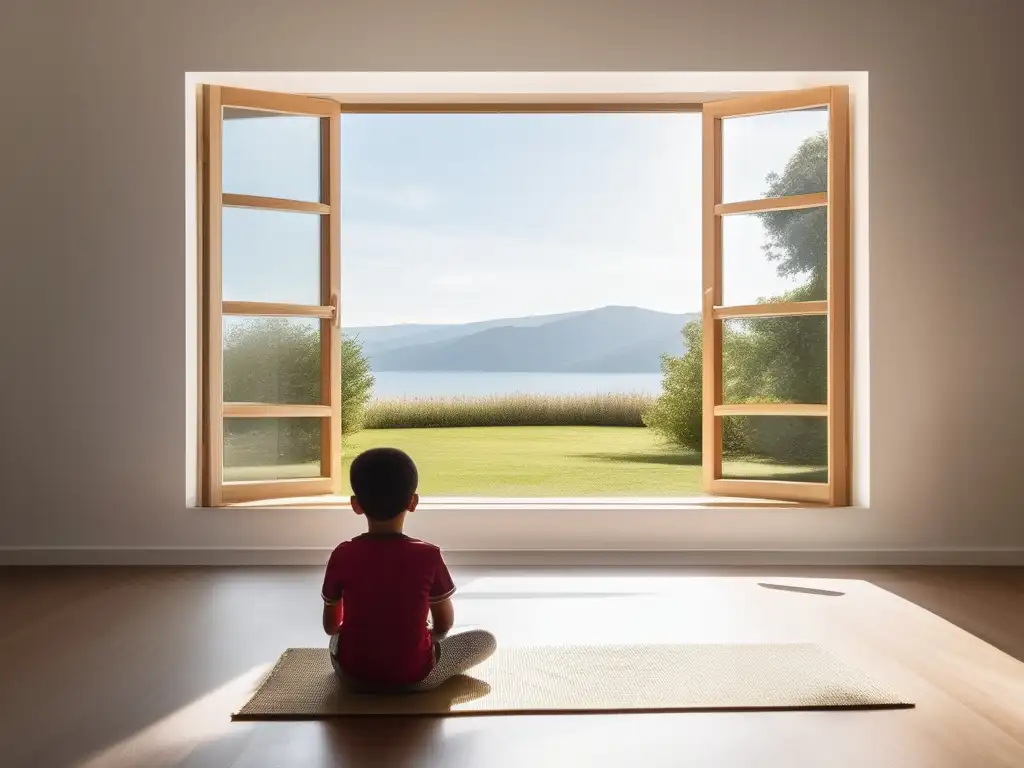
(172, 738)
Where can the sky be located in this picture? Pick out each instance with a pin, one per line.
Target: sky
(455, 218)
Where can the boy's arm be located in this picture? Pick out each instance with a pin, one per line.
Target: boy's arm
(442, 617)
(442, 612)
(332, 592)
(333, 613)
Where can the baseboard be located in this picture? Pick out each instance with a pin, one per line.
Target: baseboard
(315, 556)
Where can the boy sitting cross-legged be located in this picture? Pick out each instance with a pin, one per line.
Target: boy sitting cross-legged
(380, 586)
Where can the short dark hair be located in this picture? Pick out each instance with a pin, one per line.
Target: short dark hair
(383, 481)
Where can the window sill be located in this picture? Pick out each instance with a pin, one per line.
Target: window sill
(705, 524)
(494, 504)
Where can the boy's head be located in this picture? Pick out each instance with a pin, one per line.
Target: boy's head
(383, 483)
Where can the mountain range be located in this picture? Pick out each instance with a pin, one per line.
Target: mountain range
(605, 340)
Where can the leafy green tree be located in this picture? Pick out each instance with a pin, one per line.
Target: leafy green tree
(276, 360)
(796, 239)
(271, 360)
(676, 414)
(356, 385)
(779, 359)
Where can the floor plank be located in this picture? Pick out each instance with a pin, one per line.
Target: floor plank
(105, 668)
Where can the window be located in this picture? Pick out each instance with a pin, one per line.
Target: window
(271, 411)
(772, 418)
(512, 281)
(788, 406)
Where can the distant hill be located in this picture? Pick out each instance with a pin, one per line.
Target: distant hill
(605, 340)
(381, 338)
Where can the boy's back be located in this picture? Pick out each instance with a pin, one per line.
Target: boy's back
(387, 582)
(379, 589)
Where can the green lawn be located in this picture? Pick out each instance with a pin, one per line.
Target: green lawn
(551, 461)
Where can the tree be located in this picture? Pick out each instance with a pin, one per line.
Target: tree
(796, 239)
(781, 359)
(676, 414)
(271, 360)
(356, 385)
(277, 360)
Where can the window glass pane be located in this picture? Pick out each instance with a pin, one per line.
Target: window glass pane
(793, 448)
(272, 449)
(272, 360)
(775, 256)
(775, 360)
(271, 155)
(774, 155)
(271, 256)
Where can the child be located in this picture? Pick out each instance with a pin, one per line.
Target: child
(380, 586)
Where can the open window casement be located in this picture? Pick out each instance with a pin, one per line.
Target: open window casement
(271, 228)
(775, 352)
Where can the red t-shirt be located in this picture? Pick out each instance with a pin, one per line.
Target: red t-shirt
(386, 583)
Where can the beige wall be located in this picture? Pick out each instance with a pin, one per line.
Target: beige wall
(91, 228)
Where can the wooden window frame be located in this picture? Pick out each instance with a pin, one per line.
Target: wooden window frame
(836, 307)
(215, 491)
(836, 492)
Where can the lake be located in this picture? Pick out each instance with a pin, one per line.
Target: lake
(398, 384)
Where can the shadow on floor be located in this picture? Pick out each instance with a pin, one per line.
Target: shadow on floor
(801, 590)
(690, 459)
(393, 741)
(801, 476)
(669, 459)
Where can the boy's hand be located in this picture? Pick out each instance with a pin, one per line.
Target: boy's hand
(436, 636)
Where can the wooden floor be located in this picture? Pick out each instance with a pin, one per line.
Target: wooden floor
(141, 667)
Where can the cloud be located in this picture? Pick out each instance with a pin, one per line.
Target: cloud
(452, 281)
(469, 252)
(394, 273)
(407, 197)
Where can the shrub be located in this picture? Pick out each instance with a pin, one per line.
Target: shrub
(757, 370)
(676, 414)
(277, 360)
(356, 386)
(608, 410)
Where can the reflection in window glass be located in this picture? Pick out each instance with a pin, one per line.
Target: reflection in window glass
(270, 256)
(775, 256)
(272, 449)
(775, 360)
(271, 155)
(272, 360)
(774, 155)
(775, 448)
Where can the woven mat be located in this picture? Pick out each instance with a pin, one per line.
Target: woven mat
(588, 679)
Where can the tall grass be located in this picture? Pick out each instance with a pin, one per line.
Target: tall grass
(610, 410)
